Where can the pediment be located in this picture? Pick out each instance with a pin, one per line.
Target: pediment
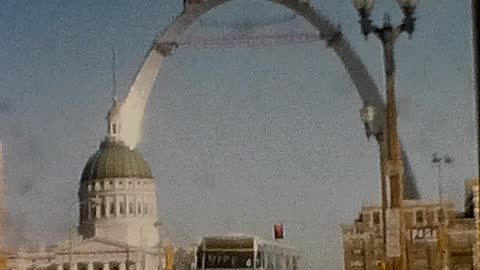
(95, 245)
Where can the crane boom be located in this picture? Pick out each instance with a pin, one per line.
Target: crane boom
(249, 40)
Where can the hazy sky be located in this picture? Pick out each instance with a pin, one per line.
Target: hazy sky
(238, 139)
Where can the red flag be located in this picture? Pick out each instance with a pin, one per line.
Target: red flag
(278, 231)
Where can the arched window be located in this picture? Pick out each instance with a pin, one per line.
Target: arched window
(131, 208)
(139, 208)
(114, 128)
(93, 211)
(376, 218)
(419, 217)
(112, 208)
(122, 208)
(102, 209)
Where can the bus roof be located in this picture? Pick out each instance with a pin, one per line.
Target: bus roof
(237, 241)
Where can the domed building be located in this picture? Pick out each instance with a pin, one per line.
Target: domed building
(117, 192)
(118, 225)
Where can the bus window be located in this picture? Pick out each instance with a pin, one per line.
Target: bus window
(229, 260)
(199, 260)
(259, 261)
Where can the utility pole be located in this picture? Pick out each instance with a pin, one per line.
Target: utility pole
(443, 243)
(3, 201)
(368, 114)
(3, 212)
(476, 66)
(388, 34)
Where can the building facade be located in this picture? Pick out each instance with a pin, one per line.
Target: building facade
(472, 204)
(424, 220)
(118, 225)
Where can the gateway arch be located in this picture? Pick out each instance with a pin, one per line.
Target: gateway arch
(133, 107)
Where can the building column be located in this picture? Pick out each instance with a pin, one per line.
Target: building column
(138, 265)
(90, 266)
(107, 206)
(117, 206)
(122, 266)
(60, 266)
(74, 266)
(106, 266)
(127, 206)
(136, 205)
(98, 209)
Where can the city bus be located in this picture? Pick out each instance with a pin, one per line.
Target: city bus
(239, 251)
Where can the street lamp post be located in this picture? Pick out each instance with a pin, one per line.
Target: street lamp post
(475, 5)
(388, 34)
(439, 162)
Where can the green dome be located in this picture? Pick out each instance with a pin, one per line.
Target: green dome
(116, 160)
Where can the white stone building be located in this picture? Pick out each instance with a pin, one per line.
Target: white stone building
(118, 224)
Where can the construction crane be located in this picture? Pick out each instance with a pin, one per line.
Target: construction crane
(242, 34)
(249, 40)
(247, 24)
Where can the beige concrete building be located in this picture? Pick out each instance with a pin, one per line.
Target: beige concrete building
(472, 203)
(118, 226)
(363, 239)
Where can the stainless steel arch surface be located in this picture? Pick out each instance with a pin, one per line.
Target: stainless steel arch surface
(134, 105)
